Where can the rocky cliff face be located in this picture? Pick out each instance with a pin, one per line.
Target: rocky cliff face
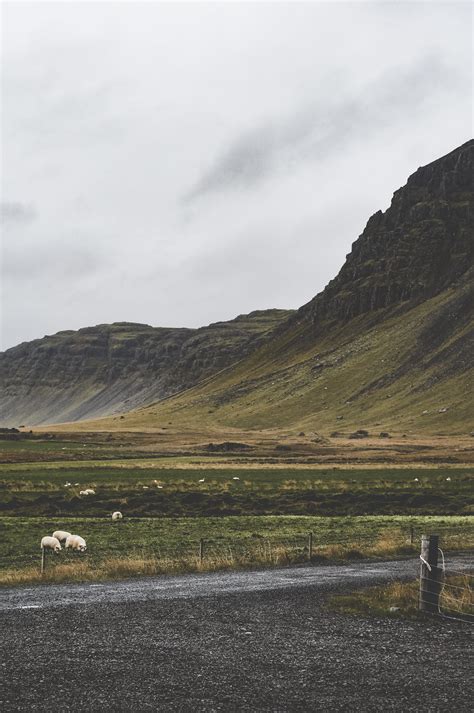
(114, 367)
(414, 250)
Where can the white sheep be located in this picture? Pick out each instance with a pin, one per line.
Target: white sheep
(117, 515)
(235, 478)
(61, 535)
(201, 480)
(51, 543)
(75, 542)
(87, 491)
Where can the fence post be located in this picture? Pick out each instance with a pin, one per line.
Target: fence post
(310, 546)
(43, 560)
(201, 550)
(412, 534)
(430, 575)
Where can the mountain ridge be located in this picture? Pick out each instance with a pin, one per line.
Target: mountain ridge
(111, 367)
(403, 298)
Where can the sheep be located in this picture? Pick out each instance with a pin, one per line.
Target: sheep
(51, 543)
(87, 491)
(75, 542)
(235, 478)
(117, 515)
(61, 535)
(201, 480)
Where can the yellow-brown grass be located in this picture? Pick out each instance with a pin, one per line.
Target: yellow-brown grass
(136, 566)
(401, 598)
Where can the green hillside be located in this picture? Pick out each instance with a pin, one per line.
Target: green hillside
(388, 343)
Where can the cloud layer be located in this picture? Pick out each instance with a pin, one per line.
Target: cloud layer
(178, 164)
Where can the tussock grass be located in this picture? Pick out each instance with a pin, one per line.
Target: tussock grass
(456, 599)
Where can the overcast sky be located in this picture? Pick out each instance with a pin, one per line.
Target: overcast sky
(178, 164)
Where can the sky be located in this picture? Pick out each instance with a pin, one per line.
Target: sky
(177, 164)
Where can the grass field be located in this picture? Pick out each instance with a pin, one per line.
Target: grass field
(145, 489)
(251, 509)
(150, 545)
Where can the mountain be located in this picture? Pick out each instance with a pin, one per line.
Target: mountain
(116, 367)
(387, 344)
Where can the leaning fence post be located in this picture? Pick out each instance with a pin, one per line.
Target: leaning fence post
(310, 546)
(201, 550)
(430, 574)
(43, 560)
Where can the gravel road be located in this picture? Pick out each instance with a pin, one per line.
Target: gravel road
(243, 641)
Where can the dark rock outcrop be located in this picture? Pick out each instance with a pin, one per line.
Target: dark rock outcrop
(418, 247)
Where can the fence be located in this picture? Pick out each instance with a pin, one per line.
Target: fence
(213, 552)
(443, 590)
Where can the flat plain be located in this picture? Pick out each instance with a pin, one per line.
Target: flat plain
(251, 501)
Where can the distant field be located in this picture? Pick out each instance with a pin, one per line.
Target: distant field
(152, 490)
(173, 543)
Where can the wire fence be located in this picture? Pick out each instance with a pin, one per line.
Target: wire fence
(246, 549)
(444, 590)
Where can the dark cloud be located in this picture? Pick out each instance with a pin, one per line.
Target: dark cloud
(12, 212)
(317, 132)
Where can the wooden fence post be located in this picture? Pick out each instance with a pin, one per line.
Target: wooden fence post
(43, 560)
(310, 546)
(430, 575)
(201, 550)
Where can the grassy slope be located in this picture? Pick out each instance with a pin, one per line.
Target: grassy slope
(297, 381)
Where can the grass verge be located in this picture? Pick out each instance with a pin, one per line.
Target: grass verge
(401, 599)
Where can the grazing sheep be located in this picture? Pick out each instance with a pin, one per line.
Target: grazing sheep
(61, 535)
(117, 515)
(202, 480)
(51, 543)
(448, 479)
(235, 478)
(415, 480)
(75, 542)
(87, 491)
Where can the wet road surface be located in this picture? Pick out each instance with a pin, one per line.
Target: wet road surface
(241, 641)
